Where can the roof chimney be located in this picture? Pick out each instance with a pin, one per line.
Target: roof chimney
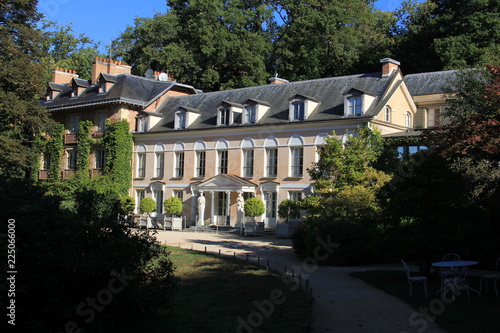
(388, 65)
(62, 76)
(109, 66)
(277, 80)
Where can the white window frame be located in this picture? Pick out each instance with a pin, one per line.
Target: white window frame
(224, 116)
(101, 121)
(141, 165)
(297, 161)
(387, 113)
(142, 124)
(355, 105)
(180, 120)
(222, 162)
(159, 164)
(251, 114)
(201, 163)
(408, 119)
(179, 164)
(248, 162)
(73, 122)
(139, 195)
(298, 111)
(294, 195)
(272, 162)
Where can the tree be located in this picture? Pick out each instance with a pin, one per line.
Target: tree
(67, 50)
(22, 83)
(289, 209)
(127, 204)
(329, 38)
(254, 207)
(173, 205)
(147, 205)
(344, 206)
(443, 34)
(212, 44)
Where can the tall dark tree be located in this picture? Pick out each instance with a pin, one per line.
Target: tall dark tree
(21, 84)
(448, 34)
(212, 44)
(329, 38)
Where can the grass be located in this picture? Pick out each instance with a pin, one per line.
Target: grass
(479, 314)
(220, 294)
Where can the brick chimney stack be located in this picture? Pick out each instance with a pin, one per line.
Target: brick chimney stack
(62, 76)
(388, 65)
(109, 66)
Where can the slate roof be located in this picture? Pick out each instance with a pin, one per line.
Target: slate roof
(328, 92)
(131, 89)
(429, 83)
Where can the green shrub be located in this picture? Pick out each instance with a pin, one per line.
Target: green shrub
(147, 205)
(127, 204)
(289, 209)
(254, 207)
(173, 205)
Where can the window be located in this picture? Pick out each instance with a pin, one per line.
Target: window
(100, 158)
(222, 159)
(71, 160)
(142, 124)
(160, 164)
(295, 195)
(141, 165)
(248, 163)
(179, 164)
(271, 201)
(298, 110)
(221, 209)
(181, 120)
(251, 114)
(158, 195)
(272, 162)
(101, 121)
(45, 165)
(432, 117)
(387, 113)
(200, 163)
(73, 123)
(224, 116)
(296, 161)
(354, 105)
(178, 194)
(408, 119)
(139, 195)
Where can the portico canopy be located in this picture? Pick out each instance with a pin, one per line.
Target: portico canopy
(225, 183)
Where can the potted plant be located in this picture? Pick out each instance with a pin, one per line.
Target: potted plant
(147, 205)
(174, 206)
(126, 206)
(288, 209)
(254, 207)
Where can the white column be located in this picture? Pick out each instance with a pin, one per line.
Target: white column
(212, 205)
(228, 199)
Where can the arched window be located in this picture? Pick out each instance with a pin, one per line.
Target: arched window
(179, 159)
(387, 113)
(408, 119)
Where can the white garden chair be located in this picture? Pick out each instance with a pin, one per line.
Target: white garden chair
(415, 278)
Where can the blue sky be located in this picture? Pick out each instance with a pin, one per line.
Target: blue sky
(103, 21)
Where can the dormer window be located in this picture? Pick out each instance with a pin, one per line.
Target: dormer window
(229, 113)
(250, 114)
(354, 105)
(142, 124)
(224, 117)
(106, 81)
(408, 119)
(301, 107)
(298, 110)
(254, 110)
(180, 120)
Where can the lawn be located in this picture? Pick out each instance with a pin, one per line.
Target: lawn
(479, 314)
(221, 294)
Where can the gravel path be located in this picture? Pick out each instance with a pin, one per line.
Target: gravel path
(341, 303)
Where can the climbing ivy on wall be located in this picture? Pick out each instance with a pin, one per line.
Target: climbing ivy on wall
(85, 141)
(118, 146)
(55, 148)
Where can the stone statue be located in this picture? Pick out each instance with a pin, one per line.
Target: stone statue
(201, 209)
(240, 207)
